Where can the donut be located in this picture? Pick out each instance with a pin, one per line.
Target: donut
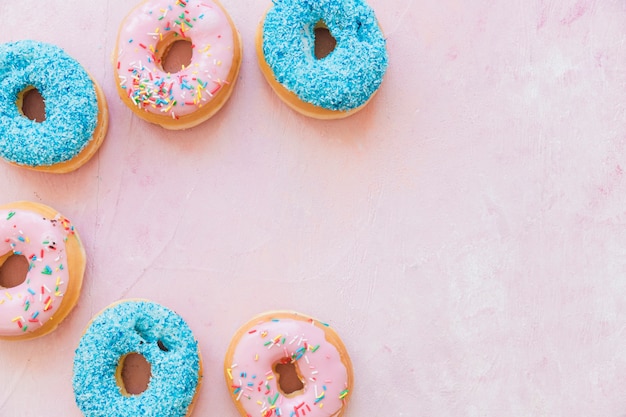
(183, 99)
(76, 113)
(337, 85)
(263, 351)
(162, 337)
(50, 246)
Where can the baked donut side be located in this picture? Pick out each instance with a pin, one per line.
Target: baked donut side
(337, 85)
(56, 260)
(157, 333)
(76, 113)
(311, 348)
(183, 99)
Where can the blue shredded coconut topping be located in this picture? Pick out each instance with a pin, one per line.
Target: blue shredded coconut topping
(70, 103)
(155, 332)
(349, 75)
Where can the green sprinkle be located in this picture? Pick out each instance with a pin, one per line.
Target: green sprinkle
(11, 214)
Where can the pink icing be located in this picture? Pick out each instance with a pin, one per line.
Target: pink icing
(254, 382)
(42, 241)
(202, 22)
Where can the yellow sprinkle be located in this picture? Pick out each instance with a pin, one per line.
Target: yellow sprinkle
(169, 107)
(14, 319)
(230, 373)
(8, 295)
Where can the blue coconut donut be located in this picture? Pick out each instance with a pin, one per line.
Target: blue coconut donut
(165, 341)
(76, 117)
(336, 85)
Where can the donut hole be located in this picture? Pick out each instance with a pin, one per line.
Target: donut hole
(288, 378)
(325, 43)
(13, 270)
(174, 54)
(133, 374)
(32, 104)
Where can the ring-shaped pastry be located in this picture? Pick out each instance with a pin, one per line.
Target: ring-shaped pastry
(151, 330)
(186, 98)
(56, 259)
(336, 85)
(76, 114)
(311, 352)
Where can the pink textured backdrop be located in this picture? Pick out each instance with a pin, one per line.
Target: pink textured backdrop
(465, 234)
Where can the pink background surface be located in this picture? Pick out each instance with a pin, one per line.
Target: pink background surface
(465, 234)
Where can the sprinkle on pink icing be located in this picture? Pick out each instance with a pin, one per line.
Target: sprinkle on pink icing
(202, 22)
(28, 306)
(254, 384)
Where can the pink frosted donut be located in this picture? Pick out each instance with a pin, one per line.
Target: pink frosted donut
(287, 364)
(56, 259)
(195, 93)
